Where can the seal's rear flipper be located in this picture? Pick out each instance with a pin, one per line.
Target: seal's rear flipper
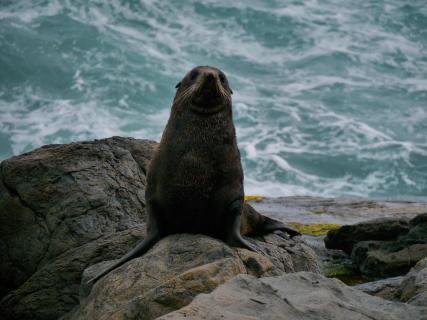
(255, 223)
(271, 225)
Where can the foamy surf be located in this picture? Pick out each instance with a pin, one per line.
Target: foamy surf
(330, 97)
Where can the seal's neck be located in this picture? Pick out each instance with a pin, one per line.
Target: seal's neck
(185, 124)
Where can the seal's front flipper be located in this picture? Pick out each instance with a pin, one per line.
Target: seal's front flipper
(271, 225)
(234, 238)
(139, 250)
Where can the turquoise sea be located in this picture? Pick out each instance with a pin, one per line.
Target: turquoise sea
(330, 97)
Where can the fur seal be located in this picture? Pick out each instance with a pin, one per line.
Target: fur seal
(195, 179)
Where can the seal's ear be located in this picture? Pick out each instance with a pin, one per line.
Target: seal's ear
(178, 85)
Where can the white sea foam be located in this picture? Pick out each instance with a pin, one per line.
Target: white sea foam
(41, 126)
(314, 81)
(28, 11)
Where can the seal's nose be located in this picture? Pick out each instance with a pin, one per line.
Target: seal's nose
(210, 77)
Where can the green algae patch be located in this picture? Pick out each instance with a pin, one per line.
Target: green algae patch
(348, 275)
(319, 211)
(317, 229)
(254, 198)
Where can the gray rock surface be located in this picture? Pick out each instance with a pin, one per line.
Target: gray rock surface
(383, 247)
(316, 211)
(69, 208)
(172, 273)
(64, 208)
(381, 259)
(342, 211)
(56, 204)
(413, 288)
(301, 295)
(347, 236)
(385, 288)
(395, 257)
(54, 289)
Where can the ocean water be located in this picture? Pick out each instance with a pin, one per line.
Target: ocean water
(330, 97)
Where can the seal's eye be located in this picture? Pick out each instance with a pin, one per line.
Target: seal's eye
(193, 75)
(222, 77)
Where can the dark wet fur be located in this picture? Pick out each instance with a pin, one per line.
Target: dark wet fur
(195, 180)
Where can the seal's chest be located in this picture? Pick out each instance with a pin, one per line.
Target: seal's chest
(195, 170)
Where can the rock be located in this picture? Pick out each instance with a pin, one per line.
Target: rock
(347, 236)
(313, 212)
(385, 288)
(334, 263)
(413, 288)
(174, 271)
(64, 208)
(301, 295)
(164, 279)
(75, 207)
(341, 211)
(378, 259)
(393, 258)
(53, 202)
(54, 289)
(417, 232)
(383, 247)
(287, 255)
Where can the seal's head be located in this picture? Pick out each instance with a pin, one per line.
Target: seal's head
(204, 90)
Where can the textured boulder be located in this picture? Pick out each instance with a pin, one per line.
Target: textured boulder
(347, 236)
(380, 259)
(413, 288)
(292, 296)
(385, 288)
(54, 289)
(66, 207)
(60, 197)
(342, 211)
(178, 268)
(383, 247)
(56, 200)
